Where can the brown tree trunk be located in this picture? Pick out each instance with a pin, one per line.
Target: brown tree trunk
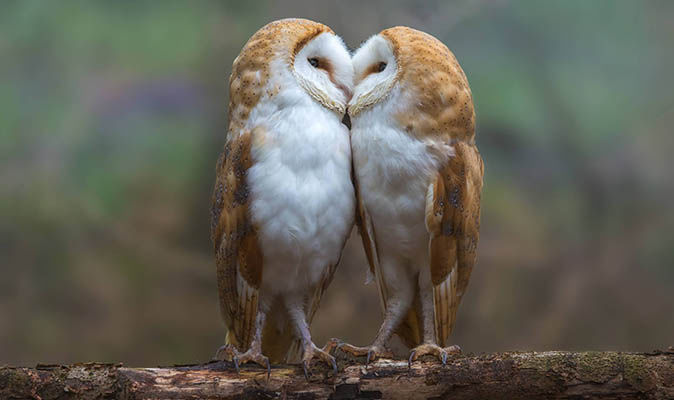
(557, 375)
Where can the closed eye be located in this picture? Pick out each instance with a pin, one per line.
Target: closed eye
(321, 63)
(374, 69)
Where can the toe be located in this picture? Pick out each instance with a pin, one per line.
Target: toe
(331, 345)
(306, 373)
(312, 352)
(334, 365)
(412, 358)
(252, 355)
(235, 360)
(263, 362)
(428, 349)
(370, 356)
(225, 352)
(219, 353)
(453, 349)
(355, 350)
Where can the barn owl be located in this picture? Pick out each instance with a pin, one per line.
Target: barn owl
(418, 178)
(283, 203)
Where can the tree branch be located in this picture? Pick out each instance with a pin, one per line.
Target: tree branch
(559, 375)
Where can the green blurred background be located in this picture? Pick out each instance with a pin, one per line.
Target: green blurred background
(112, 115)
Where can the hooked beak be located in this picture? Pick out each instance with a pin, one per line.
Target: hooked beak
(348, 94)
(346, 120)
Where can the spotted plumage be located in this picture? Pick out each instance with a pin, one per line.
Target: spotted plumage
(283, 202)
(419, 177)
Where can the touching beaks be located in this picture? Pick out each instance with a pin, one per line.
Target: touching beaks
(346, 120)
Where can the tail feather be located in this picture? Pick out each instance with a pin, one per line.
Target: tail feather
(276, 343)
(230, 338)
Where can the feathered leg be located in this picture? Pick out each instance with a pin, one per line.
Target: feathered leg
(397, 303)
(429, 311)
(298, 316)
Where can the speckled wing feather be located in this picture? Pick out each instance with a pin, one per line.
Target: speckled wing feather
(238, 254)
(453, 221)
(442, 115)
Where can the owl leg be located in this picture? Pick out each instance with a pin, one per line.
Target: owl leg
(397, 306)
(298, 317)
(394, 315)
(253, 354)
(395, 311)
(428, 309)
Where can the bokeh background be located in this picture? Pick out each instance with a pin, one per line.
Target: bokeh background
(112, 115)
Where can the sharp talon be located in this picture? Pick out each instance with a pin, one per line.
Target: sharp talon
(370, 353)
(444, 358)
(268, 369)
(218, 353)
(409, 361)
(235, 360)
(334, 366)
(304, 367)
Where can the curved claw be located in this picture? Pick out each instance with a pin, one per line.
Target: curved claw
(268, 369)
(334, 366)
(409, 361)
(218, 352)
(304, 367)
(444, 358)
(235, 360)
(370, 355)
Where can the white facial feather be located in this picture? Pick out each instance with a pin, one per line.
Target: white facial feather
(372, 88)
(317, 81)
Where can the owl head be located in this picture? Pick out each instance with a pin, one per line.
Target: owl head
(416, 79)
(285, 57)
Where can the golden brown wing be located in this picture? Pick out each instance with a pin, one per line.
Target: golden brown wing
(453, 221)
(238, 254)
(409, 329)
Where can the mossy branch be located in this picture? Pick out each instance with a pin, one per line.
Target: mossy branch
(549, 375)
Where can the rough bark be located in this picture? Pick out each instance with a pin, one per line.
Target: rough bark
(556, 375)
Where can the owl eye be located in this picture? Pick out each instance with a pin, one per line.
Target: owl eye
(313, 61)
(381, 66)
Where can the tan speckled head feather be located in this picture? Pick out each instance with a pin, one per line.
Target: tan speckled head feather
(443, 100)
(250, 70)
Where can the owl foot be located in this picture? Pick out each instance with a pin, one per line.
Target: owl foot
(433, 349)
(373, 352)
(230, 352)
(311, 352)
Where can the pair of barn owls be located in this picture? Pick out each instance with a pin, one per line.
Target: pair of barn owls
(293, 179)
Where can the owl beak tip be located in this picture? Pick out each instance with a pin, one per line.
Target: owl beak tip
(346, 120)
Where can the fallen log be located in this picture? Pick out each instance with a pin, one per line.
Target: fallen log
(512, 375)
